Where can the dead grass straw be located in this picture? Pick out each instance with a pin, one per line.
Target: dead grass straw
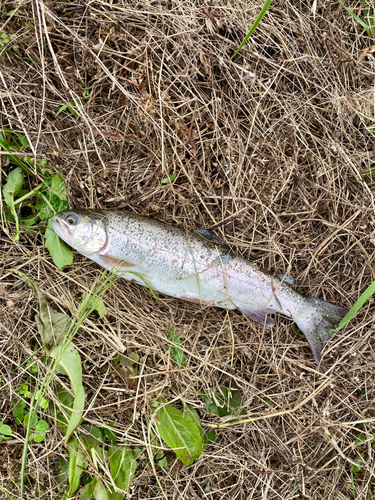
(274, 149)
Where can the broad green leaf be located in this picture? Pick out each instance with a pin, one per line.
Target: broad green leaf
(360, 439)
(95, 303)
(24, 391)
(4, 144)
(222, 401)
(194, 415)
(63, 471)
(26, 420)
(5, 429)
(10, 189)
(4, 38)
(52, 325)
(179, 431)
(38, 437)
(87, 491)
(93, 435)
(52, 198)
(162, 462)
(60, 253)
(43, 402)
(18, 411)
(211, 436)
(111, 436)
(32, 368)
(123, 464)
(126, 367)
(58, 187)
(70, 364)
(177, 353)
(77, 462)
(357, 468)
(30, 220)
(55, 200)
(44, 208)
(100, 492)
(192, 412)
(22, 139)
(62, 417)
(13, 185)
(41, 426)
(134, 357)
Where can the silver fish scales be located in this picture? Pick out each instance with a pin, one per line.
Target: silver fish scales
(183, 264)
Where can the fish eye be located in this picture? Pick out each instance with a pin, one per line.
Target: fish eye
(72, 219)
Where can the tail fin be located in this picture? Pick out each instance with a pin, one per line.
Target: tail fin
(317, 321)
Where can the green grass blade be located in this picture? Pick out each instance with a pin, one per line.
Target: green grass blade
(356, 307)
(33, 410)
(362, 23)
(9, 497)
(261, 14)
(140, 275)
(368, 14)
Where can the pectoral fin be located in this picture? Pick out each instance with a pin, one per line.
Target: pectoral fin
(259, 315)
(112, 263)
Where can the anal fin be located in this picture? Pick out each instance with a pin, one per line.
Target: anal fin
(259, 315)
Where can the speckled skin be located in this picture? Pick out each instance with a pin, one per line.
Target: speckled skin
(183, 264)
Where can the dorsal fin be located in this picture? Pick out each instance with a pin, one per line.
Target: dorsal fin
(286, 279)
(207, 235)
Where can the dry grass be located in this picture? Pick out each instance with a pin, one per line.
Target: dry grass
(271, 150)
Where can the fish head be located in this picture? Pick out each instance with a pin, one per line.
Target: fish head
(83, 230)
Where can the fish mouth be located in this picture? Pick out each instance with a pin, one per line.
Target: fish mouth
(55, 223)
(60, 227)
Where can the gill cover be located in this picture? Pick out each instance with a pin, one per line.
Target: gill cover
(84, 230)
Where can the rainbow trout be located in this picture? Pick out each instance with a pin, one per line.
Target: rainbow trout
(186, 265)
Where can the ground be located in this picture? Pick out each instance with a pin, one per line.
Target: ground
(273, 151)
